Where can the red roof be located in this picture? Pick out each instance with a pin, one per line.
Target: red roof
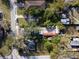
(49, 33)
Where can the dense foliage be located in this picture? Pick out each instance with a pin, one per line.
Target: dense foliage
(46, 17)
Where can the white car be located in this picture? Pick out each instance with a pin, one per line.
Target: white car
(64, 19)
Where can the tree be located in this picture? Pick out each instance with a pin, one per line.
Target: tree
(22, 23)
(9, 41)
(56, 40)
(37, 14)
(6, 24)
(7, 45)
(33, 11)
(52, 45)
(49, 46)
(5, 51)
(51, 16)
(48, 23)
(54, 7)
(60, 25)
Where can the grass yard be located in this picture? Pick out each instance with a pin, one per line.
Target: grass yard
(6, 10)
(22, 22)
(21, 11)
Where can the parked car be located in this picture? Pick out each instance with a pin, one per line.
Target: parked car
(75, 42)
(30, 44)
(65, 19)
(1, 15)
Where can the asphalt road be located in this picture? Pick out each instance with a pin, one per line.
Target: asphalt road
(13, 15)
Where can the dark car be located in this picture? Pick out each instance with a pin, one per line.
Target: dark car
(1, 15)
(31, 45)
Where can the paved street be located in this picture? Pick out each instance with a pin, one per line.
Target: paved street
(13, 15)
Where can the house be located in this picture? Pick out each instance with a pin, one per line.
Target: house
(75, 42)
(49, 32)
(35, 3)
(75, 16)
(70, 16)
(66, 1)
(31, 3)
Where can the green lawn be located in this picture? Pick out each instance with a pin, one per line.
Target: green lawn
(21, 11)
(22, 22)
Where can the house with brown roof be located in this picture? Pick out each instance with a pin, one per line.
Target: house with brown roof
(66, 1)
(35, 3)
(49, 32)
(31, 3)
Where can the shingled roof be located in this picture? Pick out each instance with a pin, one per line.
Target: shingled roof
(50, 32)
(35, 3)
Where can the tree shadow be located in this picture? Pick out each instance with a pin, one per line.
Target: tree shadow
(2, 36)
(6, 2)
